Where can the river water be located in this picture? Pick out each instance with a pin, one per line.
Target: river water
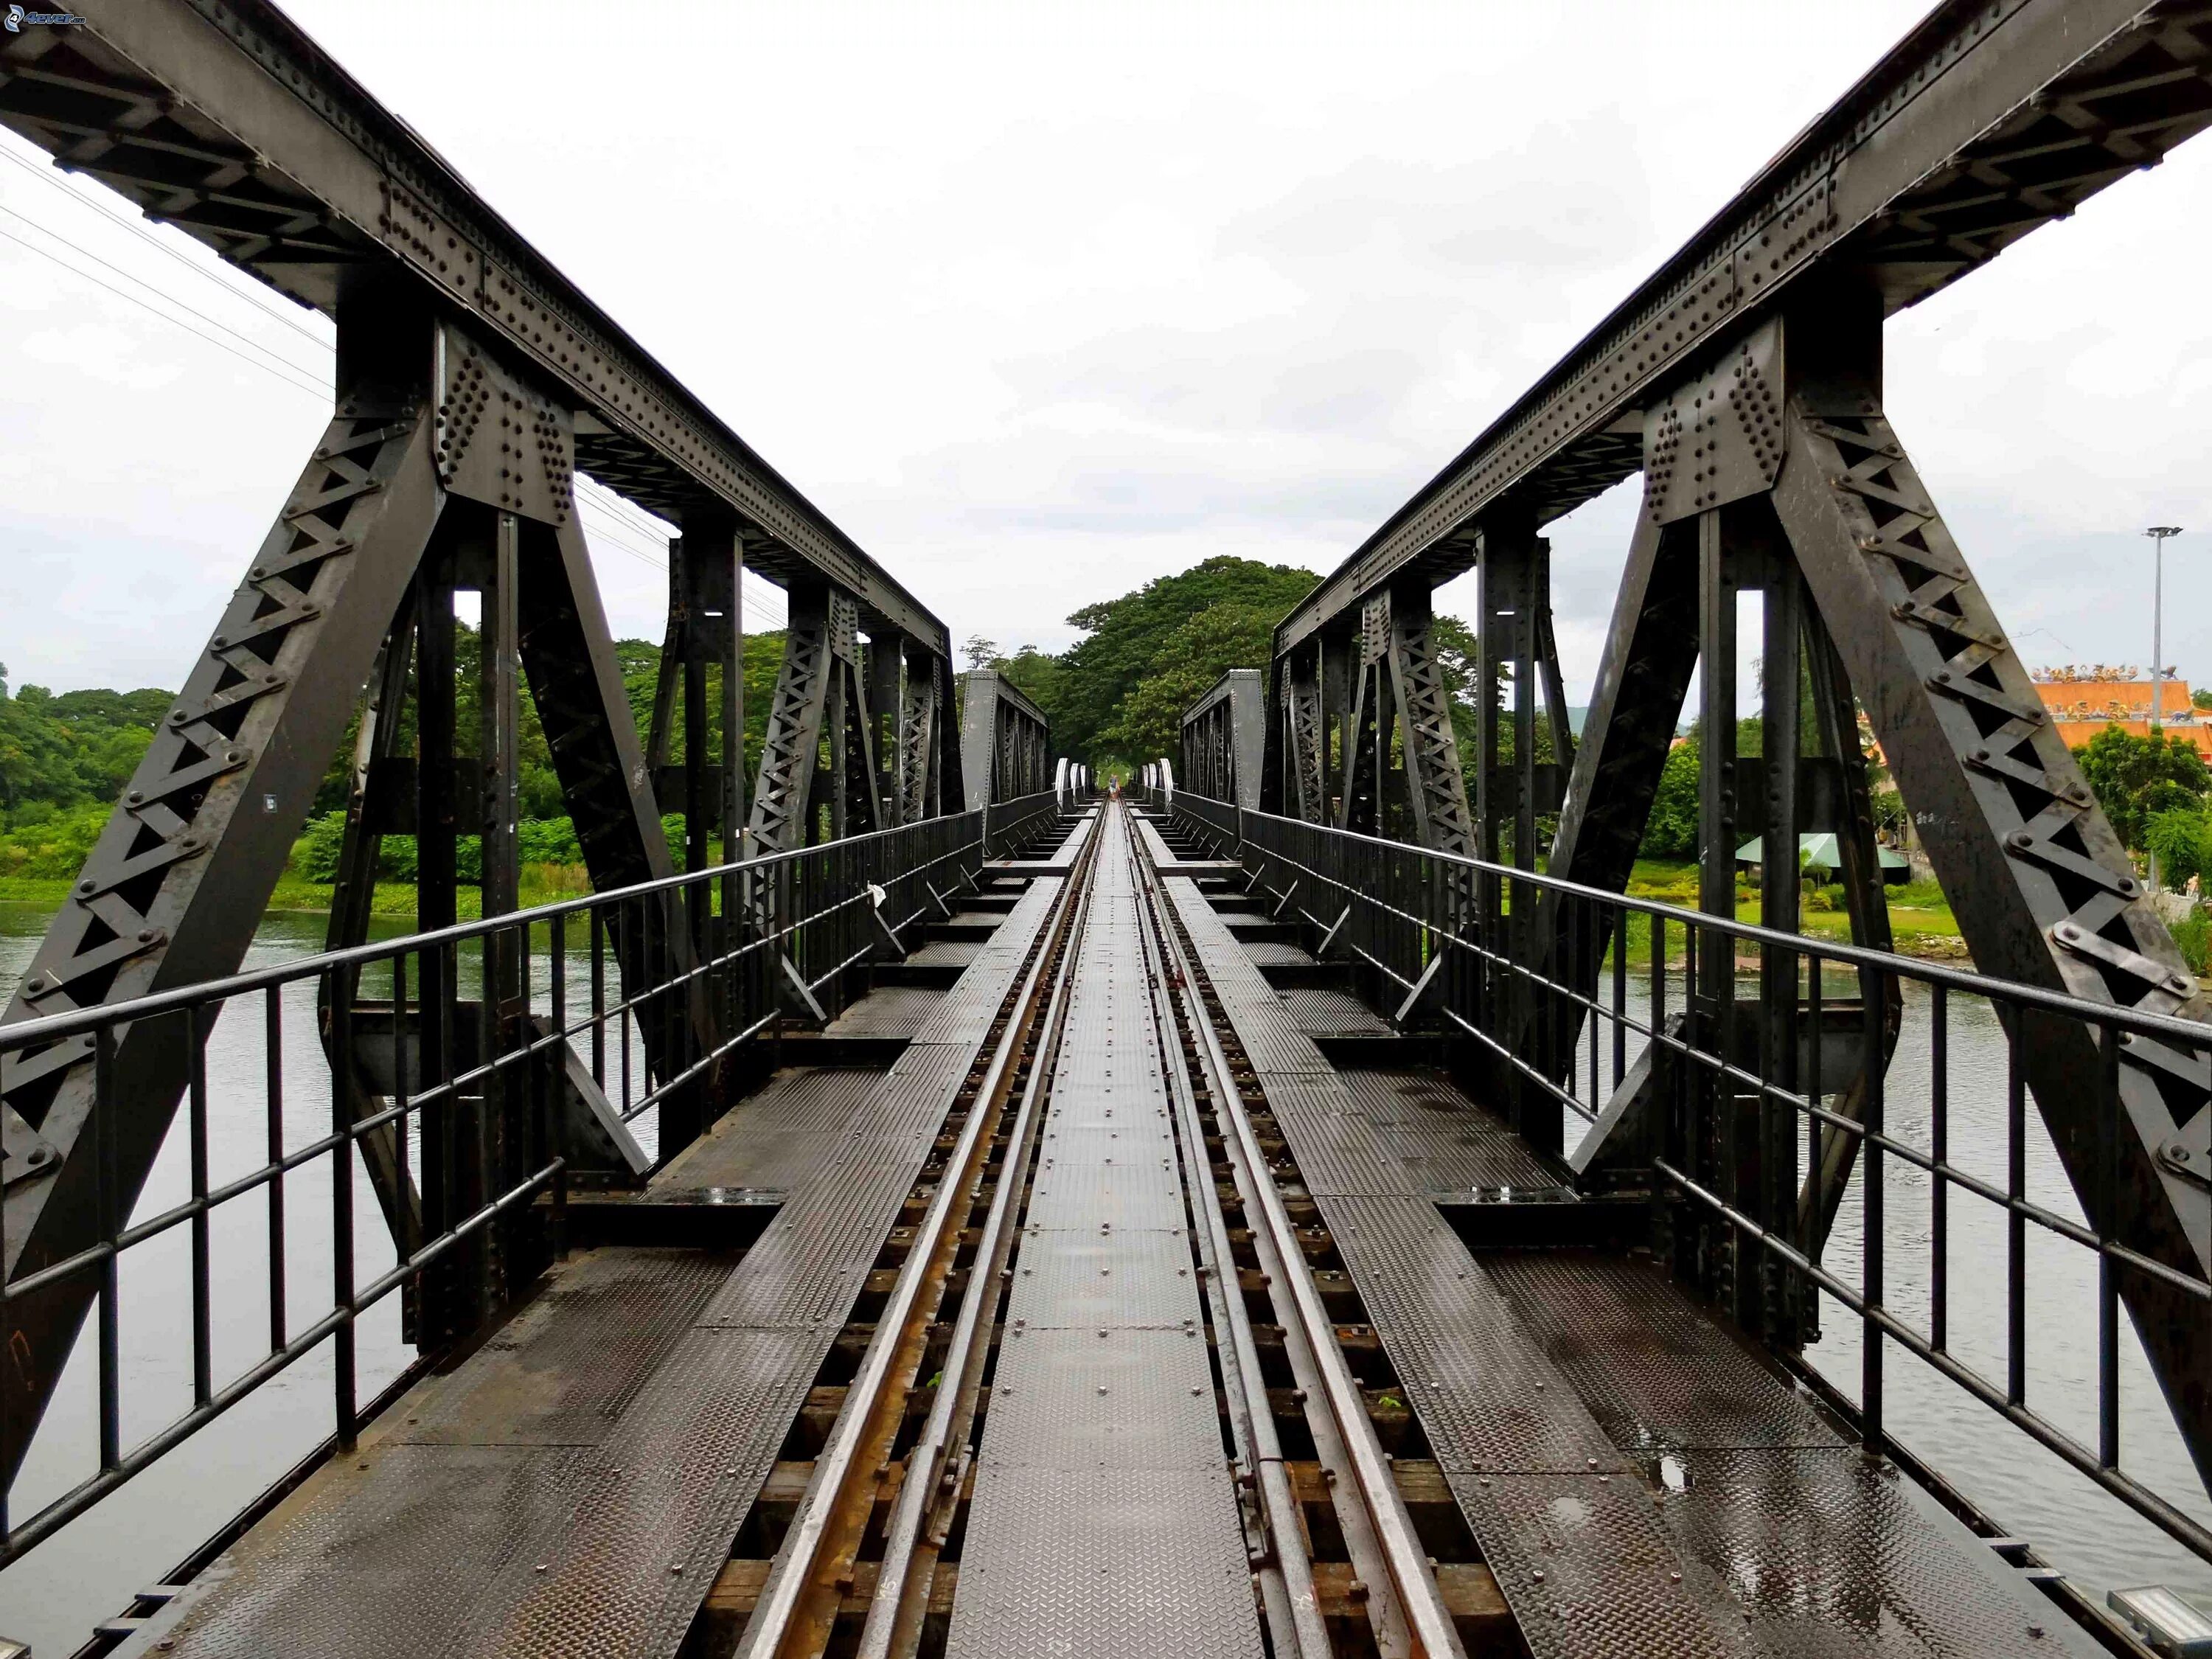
(88, 1571)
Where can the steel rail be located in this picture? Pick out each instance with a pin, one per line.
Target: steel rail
(1295, 1618)
(1899, 175)
(893, 1624)
(1414, 1587)
(777, 1615)
(308, 177)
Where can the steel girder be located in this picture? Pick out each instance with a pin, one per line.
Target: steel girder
(175, 887)
(222, 118)
(1005, 742)
(1305, 737)
(706, 630)
(920, 780)
(821, 697)
(1223, 734)
(364, 551)
(1987, 121)
(1987, 773)
(1398, 753)
(1804, 489)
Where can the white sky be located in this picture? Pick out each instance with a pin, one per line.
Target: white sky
(1041, 301)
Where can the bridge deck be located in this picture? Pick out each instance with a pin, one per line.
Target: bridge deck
(1103, 1521)
(1635, 1480)
(572, 1485)
(1641, 1482)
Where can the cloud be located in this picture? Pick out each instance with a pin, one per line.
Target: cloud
(1040, 303)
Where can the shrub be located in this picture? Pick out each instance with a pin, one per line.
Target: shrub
(2193, 934)
(2180, 838)
(315, 854)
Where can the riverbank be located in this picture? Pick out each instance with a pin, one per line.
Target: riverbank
(542, 883)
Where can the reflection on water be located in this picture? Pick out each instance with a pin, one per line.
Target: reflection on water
(89, 1570)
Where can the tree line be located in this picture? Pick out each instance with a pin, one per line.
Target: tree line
(1114, 698)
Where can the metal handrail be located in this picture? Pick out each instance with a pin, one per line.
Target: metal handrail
(1298, 863)
(700, 981)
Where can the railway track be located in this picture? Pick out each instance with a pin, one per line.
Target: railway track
(1111, 1390)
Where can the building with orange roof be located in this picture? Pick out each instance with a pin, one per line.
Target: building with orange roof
(2084, 701)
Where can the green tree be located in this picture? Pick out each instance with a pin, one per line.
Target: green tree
(1192, 656)
(1671, 832)
(1035, 674)
(2180, 838)
(1127, 642)
(2138, 777)
(77, 748)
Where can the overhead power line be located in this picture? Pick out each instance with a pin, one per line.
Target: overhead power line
(49, 255)
(48, 177)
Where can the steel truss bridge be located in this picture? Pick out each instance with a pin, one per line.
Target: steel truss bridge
(1292, 1206)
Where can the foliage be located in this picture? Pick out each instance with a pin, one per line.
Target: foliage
(43, 840)
(2135, 778)
(1133, 640)
(1195, 653)
(981, 652)
(72, 749)
(1671, 832)
(1035, 674)
(2180, 838)
(315, 854)
(2202, 697)
(538, 842)
(2193, 934)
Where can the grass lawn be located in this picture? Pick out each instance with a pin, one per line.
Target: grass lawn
(542, 883)
(1919, 918)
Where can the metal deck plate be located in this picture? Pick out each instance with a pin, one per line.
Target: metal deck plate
(1083, 1195)
(1131, 1399)
(1109, 1143)
(1103, 1521)
(656, 1508)
(893, 1010)
(944, 953)
(1587, 1569)
(1547, 1392)
(1148, 1563)
(1323, 1011)
(1656, 1372)
(779, 1136)
(1277, 953)
(1484, 1392)
(573, 1486)
(1827, 1551)
(1085, 1279)
(563, 1371)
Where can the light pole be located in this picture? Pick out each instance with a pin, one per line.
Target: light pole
(2158, 533)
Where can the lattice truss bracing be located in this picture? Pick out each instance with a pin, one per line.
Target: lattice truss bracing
(1744, 380)
(474, 381)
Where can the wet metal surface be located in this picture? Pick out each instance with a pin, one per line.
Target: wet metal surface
(573, 1486)
(1550, 1384)
(1103, 1521)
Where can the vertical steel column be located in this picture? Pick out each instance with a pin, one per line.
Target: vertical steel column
(1782, 1294)
(1712, 1139)
(502, 1127)
(444, 1301)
